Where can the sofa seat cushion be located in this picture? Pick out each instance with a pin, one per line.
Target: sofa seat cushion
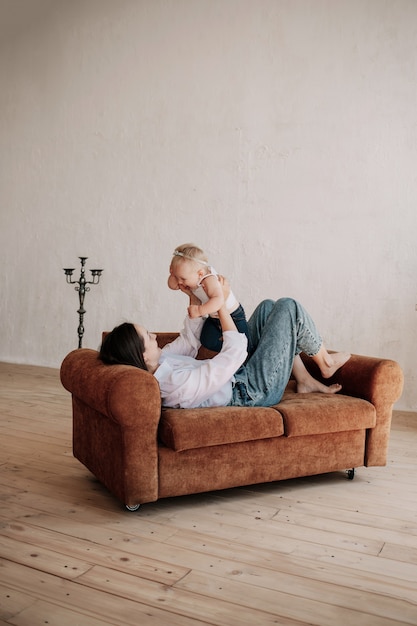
(185, 429)
(319, 413)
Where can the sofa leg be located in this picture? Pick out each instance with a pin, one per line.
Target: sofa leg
(351, 473)
(133, 507)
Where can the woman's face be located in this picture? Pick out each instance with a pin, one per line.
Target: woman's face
(152, 351)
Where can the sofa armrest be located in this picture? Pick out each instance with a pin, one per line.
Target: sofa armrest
(377, 380)
(116, 413)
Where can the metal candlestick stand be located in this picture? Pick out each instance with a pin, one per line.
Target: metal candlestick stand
(82, 288)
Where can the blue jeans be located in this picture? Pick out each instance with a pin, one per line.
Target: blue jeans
(211, 333)
(279, 330)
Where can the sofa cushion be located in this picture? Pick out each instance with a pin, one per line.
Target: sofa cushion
(319, 413)
(185, 429)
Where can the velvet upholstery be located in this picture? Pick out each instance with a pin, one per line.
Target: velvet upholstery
(314, 414)
(116, 412)
(188, 428)
(252, 462)
(379, 381)
(142, 452)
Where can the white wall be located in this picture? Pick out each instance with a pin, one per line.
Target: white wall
(280, 135)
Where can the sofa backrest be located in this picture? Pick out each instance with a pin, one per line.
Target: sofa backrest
(164, 338)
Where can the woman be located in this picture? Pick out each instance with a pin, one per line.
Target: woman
(279, 331)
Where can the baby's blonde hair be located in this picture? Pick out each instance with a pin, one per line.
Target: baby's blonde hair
(191, 252)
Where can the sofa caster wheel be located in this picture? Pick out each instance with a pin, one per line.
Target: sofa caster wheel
(350, 473)
(134, 507)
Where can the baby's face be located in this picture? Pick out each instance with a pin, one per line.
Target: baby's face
(186, 274)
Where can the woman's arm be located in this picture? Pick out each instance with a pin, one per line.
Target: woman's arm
(188, 341)
(190, 383)
(226, 320)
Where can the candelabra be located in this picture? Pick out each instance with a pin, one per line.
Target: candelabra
(82, 288)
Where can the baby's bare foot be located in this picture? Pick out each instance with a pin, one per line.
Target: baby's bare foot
(333, 363)
(314, 386)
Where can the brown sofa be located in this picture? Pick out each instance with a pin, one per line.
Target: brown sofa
(142, 452)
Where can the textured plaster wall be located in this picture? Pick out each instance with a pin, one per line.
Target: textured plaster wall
(280, 135)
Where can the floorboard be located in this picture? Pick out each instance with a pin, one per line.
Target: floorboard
(322, 550)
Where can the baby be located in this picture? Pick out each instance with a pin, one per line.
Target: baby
(190, 271)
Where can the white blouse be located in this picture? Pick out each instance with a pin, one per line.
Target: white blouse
(186, 382)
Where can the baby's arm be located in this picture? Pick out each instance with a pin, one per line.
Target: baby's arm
(214, 292)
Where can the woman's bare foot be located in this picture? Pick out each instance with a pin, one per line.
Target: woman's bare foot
(314, 386)
(305, 381)
(333, 362)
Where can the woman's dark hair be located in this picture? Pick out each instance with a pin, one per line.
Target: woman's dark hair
(123, 346)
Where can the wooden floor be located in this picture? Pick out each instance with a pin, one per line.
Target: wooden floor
(322, 550)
